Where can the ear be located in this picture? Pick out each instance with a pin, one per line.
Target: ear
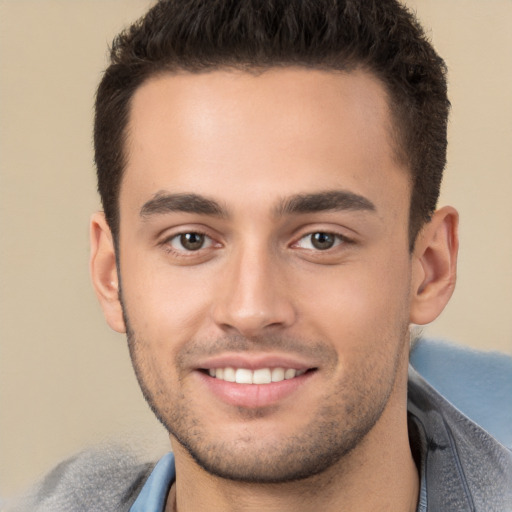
(103, 270)
(434, 266)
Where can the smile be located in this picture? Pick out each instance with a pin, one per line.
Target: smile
(249, 383)
(258, 376)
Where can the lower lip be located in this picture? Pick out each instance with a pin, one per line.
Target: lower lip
(253, 395)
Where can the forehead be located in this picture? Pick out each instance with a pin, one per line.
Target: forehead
(288, 130)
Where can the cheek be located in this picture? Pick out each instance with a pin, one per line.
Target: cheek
(164, 312)
(164, 304)
(357, 304)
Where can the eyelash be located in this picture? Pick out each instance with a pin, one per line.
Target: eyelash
(339, 239)
(167, 243)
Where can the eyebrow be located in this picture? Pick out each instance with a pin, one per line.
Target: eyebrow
(334, 200)
(163, 202)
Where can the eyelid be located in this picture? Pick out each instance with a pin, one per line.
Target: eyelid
(175, 233)
(208, 241)
(346, 235)
(339, 240)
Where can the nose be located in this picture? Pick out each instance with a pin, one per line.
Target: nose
(254, 297)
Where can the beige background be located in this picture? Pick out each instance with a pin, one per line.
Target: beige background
(65, 379)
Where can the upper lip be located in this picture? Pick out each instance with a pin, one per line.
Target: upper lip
(255, 361)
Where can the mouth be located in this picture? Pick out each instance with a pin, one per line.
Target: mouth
(257, 376)
(252, 385)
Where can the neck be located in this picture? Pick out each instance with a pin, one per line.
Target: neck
(393, 488)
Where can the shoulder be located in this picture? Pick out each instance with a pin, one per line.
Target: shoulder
(478, 383)
(106, 478)
(461, 462)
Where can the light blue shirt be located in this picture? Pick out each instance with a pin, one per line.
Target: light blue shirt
(154, 493)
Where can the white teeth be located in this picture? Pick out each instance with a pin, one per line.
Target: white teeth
(290, 373)
(243, 376)
(262, 376)
(229, 374)
(259, 376)
(277, 374)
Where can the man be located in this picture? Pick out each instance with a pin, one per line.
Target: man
(269, 173)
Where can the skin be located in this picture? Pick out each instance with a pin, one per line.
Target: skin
(258, 290)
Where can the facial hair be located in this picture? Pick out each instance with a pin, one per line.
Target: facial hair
(341, 420)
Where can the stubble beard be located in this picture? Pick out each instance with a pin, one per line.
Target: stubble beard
(333, 431)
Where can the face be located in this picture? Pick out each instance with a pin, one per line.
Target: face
(264, 265)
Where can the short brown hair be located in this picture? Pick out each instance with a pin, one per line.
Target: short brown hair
(381, 36)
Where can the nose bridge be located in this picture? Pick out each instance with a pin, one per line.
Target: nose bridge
(254, 295)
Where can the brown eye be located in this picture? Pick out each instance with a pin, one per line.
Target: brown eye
(322, 241)
(190, 241)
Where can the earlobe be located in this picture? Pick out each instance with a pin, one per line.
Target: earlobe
(103, 270)
(434, 266)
